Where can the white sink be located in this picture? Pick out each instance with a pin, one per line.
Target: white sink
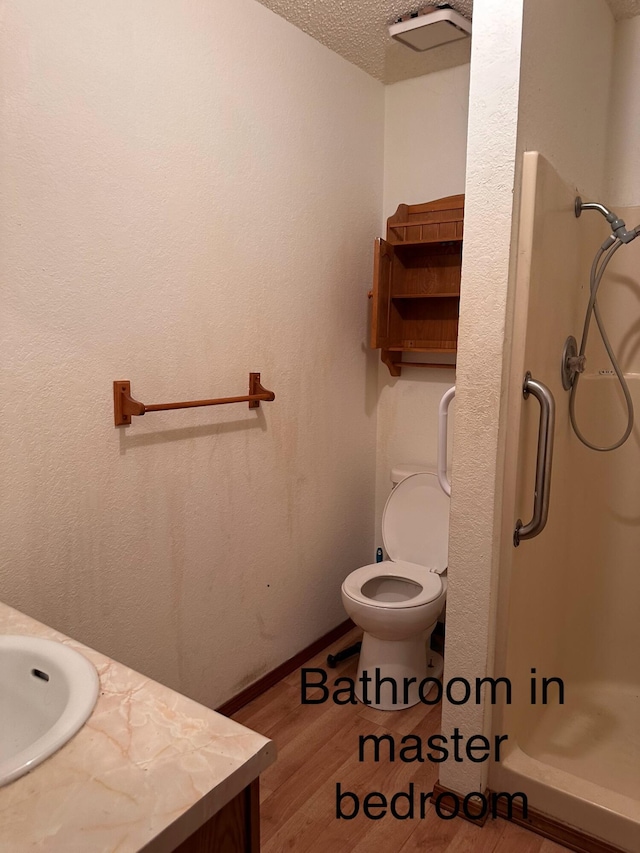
(47, 692)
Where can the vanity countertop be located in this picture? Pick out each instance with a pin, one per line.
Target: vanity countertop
(147, 769)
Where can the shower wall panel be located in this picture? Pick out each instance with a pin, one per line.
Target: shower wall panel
(569, 598)
(546, 311)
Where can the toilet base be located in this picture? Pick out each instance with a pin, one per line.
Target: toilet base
(396, 660)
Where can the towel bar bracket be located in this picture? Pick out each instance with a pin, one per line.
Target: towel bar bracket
(124, 406)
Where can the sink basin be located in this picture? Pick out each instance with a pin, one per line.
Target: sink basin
(47, 692)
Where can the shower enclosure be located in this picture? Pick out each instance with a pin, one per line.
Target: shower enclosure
(569, 608)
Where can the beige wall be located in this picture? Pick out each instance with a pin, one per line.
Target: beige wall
(424, 159)
(185, 201)
(425, 138)
(565, 87)
(623, 152)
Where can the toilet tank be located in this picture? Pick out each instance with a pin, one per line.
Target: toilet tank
(399, 472)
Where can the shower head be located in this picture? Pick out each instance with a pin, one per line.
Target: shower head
(617, 225)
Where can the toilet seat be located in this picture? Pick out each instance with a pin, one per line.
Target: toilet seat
(430, 583)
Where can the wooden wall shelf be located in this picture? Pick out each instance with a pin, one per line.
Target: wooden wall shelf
(416, 281)
(125, 406)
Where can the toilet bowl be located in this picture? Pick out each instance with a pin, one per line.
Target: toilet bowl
(397, 602)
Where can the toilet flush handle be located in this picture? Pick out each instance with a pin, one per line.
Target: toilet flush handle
(443, 412)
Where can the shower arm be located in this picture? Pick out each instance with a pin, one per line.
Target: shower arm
(618, 226)
(594, 205)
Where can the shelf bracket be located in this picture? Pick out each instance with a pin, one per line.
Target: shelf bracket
(392, 363)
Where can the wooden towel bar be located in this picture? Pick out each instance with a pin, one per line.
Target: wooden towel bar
(124, 405)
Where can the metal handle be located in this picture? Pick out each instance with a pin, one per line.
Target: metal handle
(543, 462)
(443, 412)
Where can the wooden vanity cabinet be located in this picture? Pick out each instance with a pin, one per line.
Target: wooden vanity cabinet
(234, 829)
(416, 281)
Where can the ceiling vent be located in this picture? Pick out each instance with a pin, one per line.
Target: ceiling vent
(430, 27)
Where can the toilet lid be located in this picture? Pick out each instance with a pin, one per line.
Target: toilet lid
(415, 523)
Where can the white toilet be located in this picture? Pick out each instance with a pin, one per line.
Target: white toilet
(397, 602)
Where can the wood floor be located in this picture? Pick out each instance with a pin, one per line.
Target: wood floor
(318, 747)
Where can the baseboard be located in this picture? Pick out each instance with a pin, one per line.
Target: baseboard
(263, 684)
(556, 830)
(474, 815)
(538, 822)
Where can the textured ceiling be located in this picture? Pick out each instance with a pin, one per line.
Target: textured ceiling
(357, 30)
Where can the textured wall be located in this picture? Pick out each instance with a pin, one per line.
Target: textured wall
(424, 159)
(624, 8)
(493, 114)
(185, 202)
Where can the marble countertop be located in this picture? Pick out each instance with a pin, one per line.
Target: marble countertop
(147, 769)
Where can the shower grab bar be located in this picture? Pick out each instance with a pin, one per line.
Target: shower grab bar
(443, 412)
(543, 461)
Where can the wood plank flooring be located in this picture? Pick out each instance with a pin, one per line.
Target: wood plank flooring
(318, 747)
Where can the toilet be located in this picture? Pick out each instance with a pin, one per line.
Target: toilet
(397, 602)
